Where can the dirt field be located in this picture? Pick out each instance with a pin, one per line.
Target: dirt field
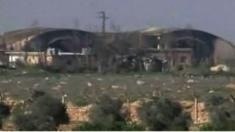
(18, 84)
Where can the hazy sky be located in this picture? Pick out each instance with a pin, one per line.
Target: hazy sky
(215, 16)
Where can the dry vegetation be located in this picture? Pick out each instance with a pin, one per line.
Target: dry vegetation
(19, 84)
(84, 90)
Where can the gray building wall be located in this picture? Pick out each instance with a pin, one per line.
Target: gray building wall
(224, 52)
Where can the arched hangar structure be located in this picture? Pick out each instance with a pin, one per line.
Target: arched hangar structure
(64, 49)
(176, 46)
(66, 40)
(199, 46)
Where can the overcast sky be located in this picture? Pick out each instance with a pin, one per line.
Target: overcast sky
(215, 16)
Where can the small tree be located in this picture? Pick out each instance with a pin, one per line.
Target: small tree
(163, 114)
(44, 113)
(221, 113)
(4, 112)
(106, 113)
(106, 116)
(33, 122)
(50, 106)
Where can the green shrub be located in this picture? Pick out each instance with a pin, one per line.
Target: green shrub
(45, 113)
(214, 100)
(106, 116)
(33, 122)
(110, 106)
(106, 113)
(86, 126)
(49, 106)
(4, 112)
(132, 127)
(37, 93)
(117, 126)
(163, 114)
(221, 113)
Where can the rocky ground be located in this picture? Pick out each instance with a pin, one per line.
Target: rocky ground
(130, 87)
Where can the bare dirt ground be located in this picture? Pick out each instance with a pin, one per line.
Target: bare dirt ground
(18, 84)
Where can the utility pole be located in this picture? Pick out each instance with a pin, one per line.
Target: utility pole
(103, 17)
(101, 56)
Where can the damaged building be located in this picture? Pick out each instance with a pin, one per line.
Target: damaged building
(64, 49)
(187, 47)
(57, 49)
(151, 48)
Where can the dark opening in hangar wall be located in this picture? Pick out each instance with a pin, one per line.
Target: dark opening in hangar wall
(205, 46)
(64, 39)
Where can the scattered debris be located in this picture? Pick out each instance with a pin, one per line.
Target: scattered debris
(35, 85)
(211, 91)
(102, 89)
(220, 68)
(63, 83)
(58, 87)
(46, 78)
(137, 76)
(190, 81)
(99, 79)
(63, 98)
(6, 81)
(89, 84)
(232, 86)
(24, 72)
(164, 84)
(140, 82)
(179, 91)
(115, 87)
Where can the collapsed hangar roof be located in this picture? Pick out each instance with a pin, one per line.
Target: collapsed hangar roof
(16, 35)
(13, 36)
(155, 31)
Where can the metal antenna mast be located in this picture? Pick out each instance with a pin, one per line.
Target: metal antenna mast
(103, 17)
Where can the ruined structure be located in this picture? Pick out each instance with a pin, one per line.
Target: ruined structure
(185, 47)
(57, 49)
(153, 48)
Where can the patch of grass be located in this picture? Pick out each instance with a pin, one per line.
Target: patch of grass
(207, 127)
(81, 101)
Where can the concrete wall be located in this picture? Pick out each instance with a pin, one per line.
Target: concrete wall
(72, 63)
(224, 52)
(18, 45)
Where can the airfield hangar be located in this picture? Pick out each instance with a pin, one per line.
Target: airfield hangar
(188, 46)
(73, 49)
